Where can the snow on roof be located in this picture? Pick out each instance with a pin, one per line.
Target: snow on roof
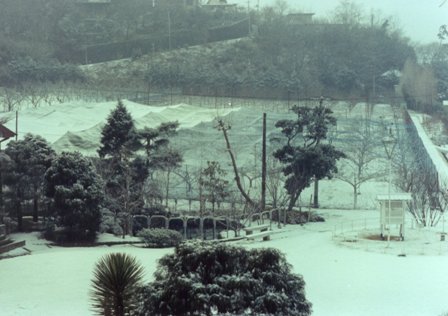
(5, 133)
(394, 197)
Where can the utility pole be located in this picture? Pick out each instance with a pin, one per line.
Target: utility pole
(17, 124)
(263, 166)
(248, 15)
(169, 30)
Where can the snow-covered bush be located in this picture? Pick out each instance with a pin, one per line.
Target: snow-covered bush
(298, 217)
(159, 237)
(204, 278)
(109, 224)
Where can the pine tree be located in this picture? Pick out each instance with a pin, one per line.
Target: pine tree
(305, 157)
(123, 187)
(118, 134)
(31, 157)
(76, 193)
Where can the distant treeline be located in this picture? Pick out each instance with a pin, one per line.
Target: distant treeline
(177, 39)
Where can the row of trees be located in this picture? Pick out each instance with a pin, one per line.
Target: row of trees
(78, 192)
(299, 60)
(38, 38)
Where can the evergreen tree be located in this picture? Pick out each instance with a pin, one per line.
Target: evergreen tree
(156, 139)
(118, 135)
(5, 167)
(304, 156)
(30, 157)
(205, 278)
(76, 193)
(123, 175)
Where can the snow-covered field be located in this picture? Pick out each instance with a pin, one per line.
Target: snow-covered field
(345, 273)
(341, 279)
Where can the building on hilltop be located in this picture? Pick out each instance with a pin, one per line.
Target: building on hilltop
(216, 5)
(300, 18)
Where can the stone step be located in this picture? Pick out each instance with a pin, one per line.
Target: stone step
(2, 229)
(5, 241)
(11, 246)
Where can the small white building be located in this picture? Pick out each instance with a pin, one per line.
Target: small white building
(393, 214)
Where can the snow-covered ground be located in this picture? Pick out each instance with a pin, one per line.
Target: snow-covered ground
(341, 278)
(346, 273)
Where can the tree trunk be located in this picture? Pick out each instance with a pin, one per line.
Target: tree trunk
(2, 209)
(293, 200)
(19, 215)
(235, 169)
(167, 190)
(35, 206)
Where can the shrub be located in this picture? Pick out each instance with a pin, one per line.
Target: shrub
(159, 237)
(296, 217)
(109, 224)
(116, 280)
(204, 278)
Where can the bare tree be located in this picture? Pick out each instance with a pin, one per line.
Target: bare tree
(348, 12)
(224, 128)
(428, 200)
(11, 99)
(275, 182)
(168, 160)
(417, 175)
(361, 163)
(34, 94)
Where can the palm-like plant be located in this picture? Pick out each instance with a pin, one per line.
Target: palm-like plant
(117, 277)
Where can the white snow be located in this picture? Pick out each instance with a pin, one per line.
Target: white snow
(352, 278)
(345, 273)
(437, 157)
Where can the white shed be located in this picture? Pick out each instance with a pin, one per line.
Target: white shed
(393, 214)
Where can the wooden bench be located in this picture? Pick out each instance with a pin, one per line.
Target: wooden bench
(263, 232)
(251, 229)
(266, 235)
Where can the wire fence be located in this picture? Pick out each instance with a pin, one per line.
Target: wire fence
(365, 234)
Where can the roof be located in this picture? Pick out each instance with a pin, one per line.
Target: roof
(301, 14)
(5, 133)
(394, 197)
(218, 3)
(94, 1)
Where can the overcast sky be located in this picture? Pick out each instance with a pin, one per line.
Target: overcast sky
(419, 19)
